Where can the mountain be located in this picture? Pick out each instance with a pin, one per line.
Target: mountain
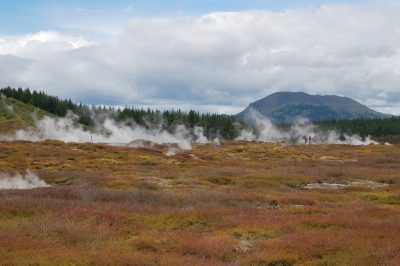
(16, 115)
(283, 107)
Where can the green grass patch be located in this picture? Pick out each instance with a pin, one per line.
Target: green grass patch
(173, 222)
(382, 197)
(252, 233)
(221, 181)
(321, 226)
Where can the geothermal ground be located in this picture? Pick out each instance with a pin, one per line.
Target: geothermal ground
(240, 203)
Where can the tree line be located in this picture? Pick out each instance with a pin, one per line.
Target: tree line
(214, 125)
(380, 129)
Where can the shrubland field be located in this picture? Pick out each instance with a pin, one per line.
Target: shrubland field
(240, 203)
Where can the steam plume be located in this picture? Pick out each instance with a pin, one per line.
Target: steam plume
(266, 131)
(109, 131)
(18, 181)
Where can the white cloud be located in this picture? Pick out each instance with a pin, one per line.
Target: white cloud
(44, 42)
(220, 60)
(395, 110)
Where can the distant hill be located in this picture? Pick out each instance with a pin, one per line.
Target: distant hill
(283, 107)
(16, 115)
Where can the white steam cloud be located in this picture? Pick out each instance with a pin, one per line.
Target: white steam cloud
(199, 134)
(266, 131)
(65, 129)
(18, 181)
(111, 132)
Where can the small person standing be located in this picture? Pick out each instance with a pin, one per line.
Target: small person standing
(309, 140)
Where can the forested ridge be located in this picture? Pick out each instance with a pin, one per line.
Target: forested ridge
(215, 125)
(383, 130)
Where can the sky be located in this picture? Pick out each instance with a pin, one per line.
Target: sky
(210, 55)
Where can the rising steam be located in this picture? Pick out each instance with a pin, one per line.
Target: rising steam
(18, 181)
(109, 131)
(266, 131)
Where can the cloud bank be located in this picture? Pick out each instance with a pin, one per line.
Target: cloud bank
(219, 61)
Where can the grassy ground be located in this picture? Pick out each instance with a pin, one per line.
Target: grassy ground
(240, 203)
(16, 115)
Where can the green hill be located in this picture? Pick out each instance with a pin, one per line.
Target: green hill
(284, 107)
(16, 115)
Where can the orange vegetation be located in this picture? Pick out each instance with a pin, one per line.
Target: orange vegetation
(241, 203)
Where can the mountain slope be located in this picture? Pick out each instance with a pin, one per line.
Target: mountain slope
(288, 106)
(16, 115)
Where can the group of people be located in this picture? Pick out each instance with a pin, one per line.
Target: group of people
(307, 140)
